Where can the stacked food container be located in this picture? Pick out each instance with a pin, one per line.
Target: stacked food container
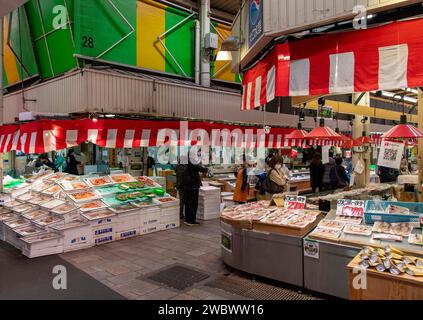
(209, 203)
(61, 212)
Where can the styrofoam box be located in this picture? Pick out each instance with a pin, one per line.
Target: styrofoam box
(76, 235)
(128, 221)
(42, 244)
(150, 229)
(149, 219)
(13, 238)
(127, 234)
(106, 238)
(69, 216)
(170, 225)
(209, 216)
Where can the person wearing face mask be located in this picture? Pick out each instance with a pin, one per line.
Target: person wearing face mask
(276, 180)
(242, 187)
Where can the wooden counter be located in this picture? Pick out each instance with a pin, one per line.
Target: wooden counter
(385, 286)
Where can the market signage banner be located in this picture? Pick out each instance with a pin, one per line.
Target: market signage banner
(350, 208)
(381, 58)
(255, 21)
(391, 154)
(295, 202)
(51, 135)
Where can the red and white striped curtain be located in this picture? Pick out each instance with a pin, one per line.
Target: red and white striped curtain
(51, 135)
(381, 58)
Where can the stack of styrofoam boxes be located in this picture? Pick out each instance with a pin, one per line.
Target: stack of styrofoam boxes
(5, 215)
(209, 203)
(76, 235)
(10, 235)
(103, 224)
(149, 219)
(42, 244)
(128, 224)
(169, 215)
(227, 199)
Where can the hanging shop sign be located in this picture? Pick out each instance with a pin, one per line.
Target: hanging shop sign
(295, 202)
(311, 249)
(390, 154)
(255, 21)
(339, 63)
(350, 208)
(325, 112)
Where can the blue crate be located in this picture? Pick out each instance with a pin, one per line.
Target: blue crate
(370, 216)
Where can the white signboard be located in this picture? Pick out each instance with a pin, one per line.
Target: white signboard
(391, 154)
(311, 249)
(325, 154)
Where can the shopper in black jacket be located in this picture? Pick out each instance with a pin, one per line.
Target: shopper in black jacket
(72, 163)
(189, 182)
(317, 170)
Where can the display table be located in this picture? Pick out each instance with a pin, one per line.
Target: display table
(300, 185)
(328, 273)
(384, 286)
(274, 256)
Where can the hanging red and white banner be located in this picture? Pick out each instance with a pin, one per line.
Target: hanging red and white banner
(51, 135)
(381, 58)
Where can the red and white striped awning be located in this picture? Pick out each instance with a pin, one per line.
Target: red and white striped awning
(51, 135)
(381, 58)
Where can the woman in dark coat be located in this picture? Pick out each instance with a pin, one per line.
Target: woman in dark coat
(316, 173)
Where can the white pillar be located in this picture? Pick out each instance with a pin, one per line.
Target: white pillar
(205, 54)
(197, 51)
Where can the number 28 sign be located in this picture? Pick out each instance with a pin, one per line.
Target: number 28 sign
(295, 202)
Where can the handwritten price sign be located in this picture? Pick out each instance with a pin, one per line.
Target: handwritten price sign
(295, 202)
(350, 208)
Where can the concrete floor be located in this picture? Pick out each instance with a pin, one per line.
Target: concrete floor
(119, 269)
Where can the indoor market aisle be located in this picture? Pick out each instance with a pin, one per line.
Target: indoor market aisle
(177, 264)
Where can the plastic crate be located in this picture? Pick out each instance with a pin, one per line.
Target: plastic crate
(371, 215)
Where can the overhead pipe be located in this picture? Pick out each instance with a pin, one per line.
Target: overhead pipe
(205, 29)
(197, 51)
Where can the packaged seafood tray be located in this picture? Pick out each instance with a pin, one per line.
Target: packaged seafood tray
(52, 204)
(42, 244)
(40, 199)
(322, 232)
(92, 205)
(76, 235)
(332, 224)
(36, 214)
(56, 176)
(393, 212)
(122, 178)
(40, 187)
(359, 230)
(415, 239)
(12, 204)
(74, 185)
(83, 196)
(29, 230)
(43, 175)
(108, 191)
(48, 221)
(150, 183)
(69, 178)
(25, 197)
(24, 208)
(166, 201)
(99, 181)
(53, 190)
(100, 217)
(16, 222)
(398, 229)
(123, 208)
(67, 211)
(5, 217)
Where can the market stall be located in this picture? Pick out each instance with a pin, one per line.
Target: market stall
(56, 212)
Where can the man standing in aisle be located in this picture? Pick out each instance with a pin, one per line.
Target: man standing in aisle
(189, 182)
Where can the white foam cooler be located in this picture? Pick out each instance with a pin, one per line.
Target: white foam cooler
(103, 224)
(127, 224)
(76, 235)
(42, 245)
(209, 203)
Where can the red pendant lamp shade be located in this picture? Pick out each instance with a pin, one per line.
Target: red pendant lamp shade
(297, 134)
(324, 133)
(403, 131)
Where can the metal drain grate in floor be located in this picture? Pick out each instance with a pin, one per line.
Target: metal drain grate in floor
(178, 277)
(255, 290)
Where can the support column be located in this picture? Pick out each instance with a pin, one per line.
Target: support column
(420, 163)
(1, 99)
(363, 179)
(205, 54)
